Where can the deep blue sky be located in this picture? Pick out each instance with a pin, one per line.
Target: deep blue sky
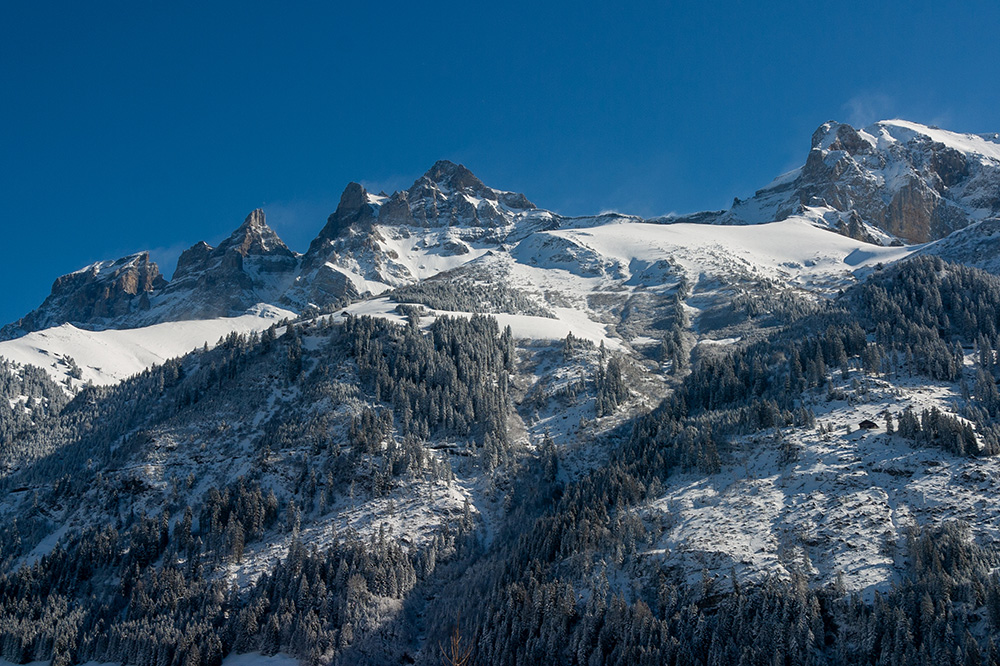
(152, 125)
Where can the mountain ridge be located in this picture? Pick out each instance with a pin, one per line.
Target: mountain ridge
(891, 182)
(584, 440)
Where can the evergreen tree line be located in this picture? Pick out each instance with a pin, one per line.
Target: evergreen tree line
(28, 398)
(150, 594)
(549, 589)
(540, 599)
(452, 381)
(469, 296)
(146, 594)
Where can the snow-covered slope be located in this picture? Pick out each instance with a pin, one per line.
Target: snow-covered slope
(629, 275)
(794, 251)
(976, 245)
(75, 357)
(616, 281)
(620, 437)
(840, 510)
(583, 275)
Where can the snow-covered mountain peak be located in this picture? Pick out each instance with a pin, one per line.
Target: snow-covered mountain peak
(448, 178)
(114, 265)
(451, 194)
(832, 135)
(893, 179)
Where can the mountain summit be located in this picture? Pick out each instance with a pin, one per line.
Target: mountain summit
(891, 183)
(104, 294)
(891, 180)
(251, 266)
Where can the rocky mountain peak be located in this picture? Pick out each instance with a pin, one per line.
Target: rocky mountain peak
(446, 179)
(832, 135)
(448, 194)
(352, 200)
(893, 180)
(96, 296)
(451, 177)
(254, 237)
(355, 207)
(255, 220)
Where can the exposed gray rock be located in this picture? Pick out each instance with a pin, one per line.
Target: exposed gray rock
(252, 266)
(448, 202)
(103, 295)
(897, 177)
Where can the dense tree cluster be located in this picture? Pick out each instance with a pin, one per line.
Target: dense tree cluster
(468, 296)
(454, 380)
(934, 427)
(610, 384)
(146, 594)
(28, 398)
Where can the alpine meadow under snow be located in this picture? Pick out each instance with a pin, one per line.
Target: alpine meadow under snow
(460, 425)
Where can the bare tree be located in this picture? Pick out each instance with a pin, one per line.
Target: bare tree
(456, 654)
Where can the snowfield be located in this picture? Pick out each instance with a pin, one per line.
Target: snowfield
(108, 357)
(794, 251)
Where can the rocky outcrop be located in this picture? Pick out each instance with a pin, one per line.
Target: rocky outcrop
(354, 208)
(102, 295)
(252, 239)
(913, 182)
(448, 207)
(251, 266)
(449, 195)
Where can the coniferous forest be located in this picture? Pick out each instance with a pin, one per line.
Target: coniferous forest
(256, 540)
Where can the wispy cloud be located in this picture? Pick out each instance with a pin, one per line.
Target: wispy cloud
(869, 107)
(297, 222)
(389, 184)
(946, 120)
(166, 258)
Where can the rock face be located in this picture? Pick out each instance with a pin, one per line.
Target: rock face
(364, 244)
(449, 195)
(369, 244)
(912, 182)
(355, 208)
(252, 266)
(102, 295)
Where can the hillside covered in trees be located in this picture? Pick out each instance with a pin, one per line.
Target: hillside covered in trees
(351, 489)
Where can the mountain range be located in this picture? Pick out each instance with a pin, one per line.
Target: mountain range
(706, 438)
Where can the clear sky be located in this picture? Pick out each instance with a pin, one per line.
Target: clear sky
(152, 125)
